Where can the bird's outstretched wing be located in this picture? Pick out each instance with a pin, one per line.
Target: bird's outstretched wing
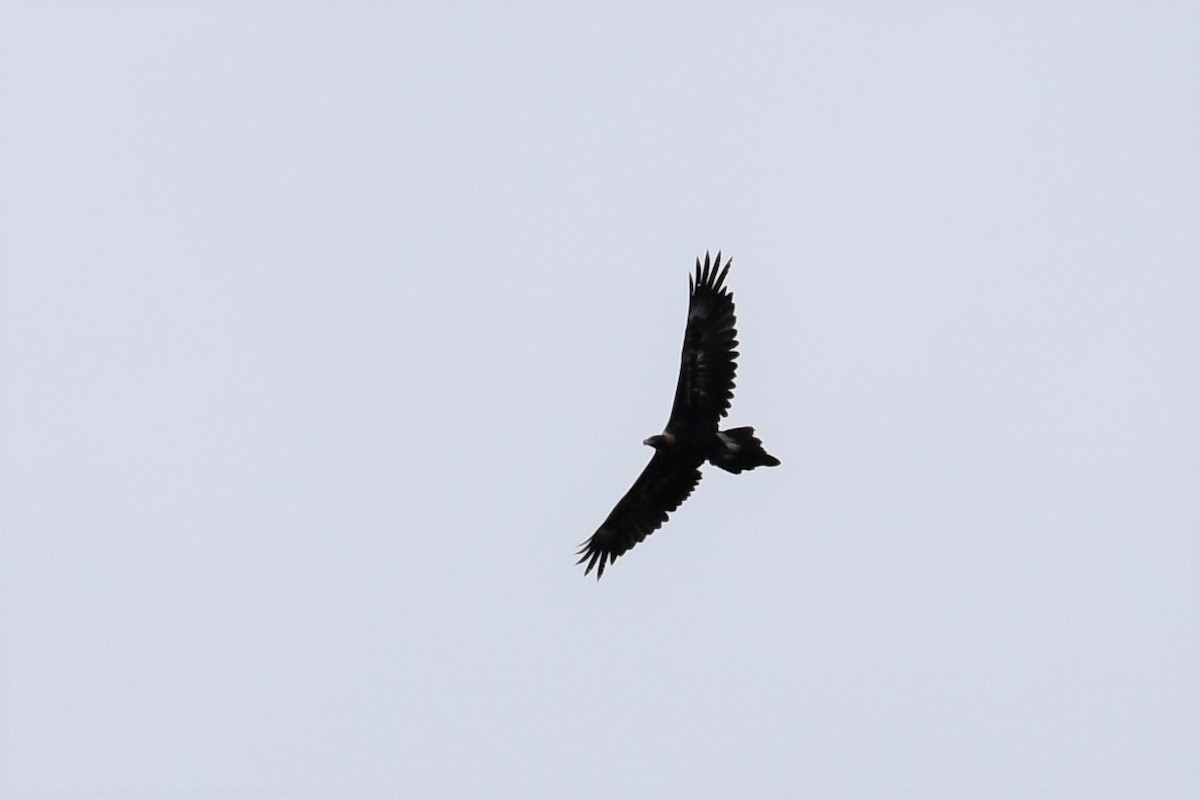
(708, 364)
(662, 486)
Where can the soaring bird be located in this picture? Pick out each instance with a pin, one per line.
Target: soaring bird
(691, 437)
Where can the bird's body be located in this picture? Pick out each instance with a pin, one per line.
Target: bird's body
(691, 437)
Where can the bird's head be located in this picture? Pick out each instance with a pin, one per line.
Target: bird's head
(660, 441)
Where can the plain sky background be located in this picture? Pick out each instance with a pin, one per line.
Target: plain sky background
(331, 330)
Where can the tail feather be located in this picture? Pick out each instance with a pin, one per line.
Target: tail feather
(739, 449)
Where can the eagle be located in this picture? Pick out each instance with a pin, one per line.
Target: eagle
(691, 437)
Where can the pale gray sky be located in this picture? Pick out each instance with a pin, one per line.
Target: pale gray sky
(331, 330)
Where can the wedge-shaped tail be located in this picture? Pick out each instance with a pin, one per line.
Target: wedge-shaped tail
(739, 449)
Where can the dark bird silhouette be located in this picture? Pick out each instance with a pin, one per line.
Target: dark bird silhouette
(691, 437)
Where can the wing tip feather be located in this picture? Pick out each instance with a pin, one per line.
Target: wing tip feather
(710, 274)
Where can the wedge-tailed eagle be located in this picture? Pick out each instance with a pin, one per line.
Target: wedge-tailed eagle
(691, 437)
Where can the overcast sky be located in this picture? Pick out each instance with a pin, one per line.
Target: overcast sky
(331, 330)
